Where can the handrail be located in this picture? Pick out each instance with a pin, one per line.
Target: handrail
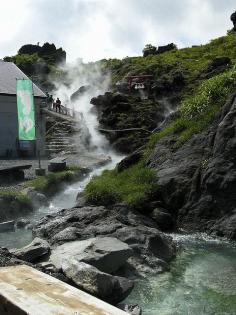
(62, 110)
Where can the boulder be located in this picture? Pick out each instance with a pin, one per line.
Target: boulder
(107, 254)
(7, 226)
(219, 62)
(233, 19)
(34, 251)
(130, 160)
(130, 309)
(88, 278)
(216, 66)
(78, 226)
(226, 226)
(67, 235)
(165, 48)
(20, 224)
(163, 219)
(152, 250)
(38, 199)
(57, 165)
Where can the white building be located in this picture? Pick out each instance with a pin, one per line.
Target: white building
(10, 146)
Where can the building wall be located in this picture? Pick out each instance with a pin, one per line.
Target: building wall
(9, 144)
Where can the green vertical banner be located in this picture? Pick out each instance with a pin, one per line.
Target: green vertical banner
(25, 107)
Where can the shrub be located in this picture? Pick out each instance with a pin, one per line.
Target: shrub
(19, 197)
(211, 93)
(50, 181)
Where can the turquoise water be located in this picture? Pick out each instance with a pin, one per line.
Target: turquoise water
(202, 281)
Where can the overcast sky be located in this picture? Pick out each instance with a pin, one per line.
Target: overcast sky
(96, 29)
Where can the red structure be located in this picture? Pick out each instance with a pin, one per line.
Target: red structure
(140, 81)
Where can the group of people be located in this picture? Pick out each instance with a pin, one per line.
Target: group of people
(57, 106)
(54, 105)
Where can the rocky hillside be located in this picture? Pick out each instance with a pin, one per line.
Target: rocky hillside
(176, 76)
(184, 176)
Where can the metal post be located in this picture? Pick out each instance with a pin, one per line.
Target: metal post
(39, 157)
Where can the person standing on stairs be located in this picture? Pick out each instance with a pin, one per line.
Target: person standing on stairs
(58, 105)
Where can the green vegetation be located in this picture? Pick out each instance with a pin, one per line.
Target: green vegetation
(38, 62)
(21, 198)
(50, 182)
(197, 111)
(133, 186)
(204, 93)
(189, 63)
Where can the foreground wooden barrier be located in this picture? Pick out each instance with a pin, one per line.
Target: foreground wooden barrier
(27, 291)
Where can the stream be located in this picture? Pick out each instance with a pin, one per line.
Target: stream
(202, 277)
(63, 200)
(202, 280)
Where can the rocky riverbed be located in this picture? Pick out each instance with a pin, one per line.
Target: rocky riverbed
(99, 250)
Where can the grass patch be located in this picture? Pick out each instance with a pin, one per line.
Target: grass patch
(190, 62)
(19, 197)
(198, 111)
(52, 180)
(133, 186)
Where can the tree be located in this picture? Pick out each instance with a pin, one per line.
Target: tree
(149, 50)
(29, 49)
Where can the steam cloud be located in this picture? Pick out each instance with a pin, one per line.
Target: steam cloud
(75, 76)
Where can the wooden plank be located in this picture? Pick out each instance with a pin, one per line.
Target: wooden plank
(27, 291)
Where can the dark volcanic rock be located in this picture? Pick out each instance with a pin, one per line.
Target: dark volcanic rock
(233, 19)
(130, 309)
(118, 111)
(196, 182)
(130, 160)
(107, 254)
(165, 48)
(20, 224)
(111, 288)
(8, 259)
(34, 251)
(217, 66)
(150, 247)
(163, 219)
(226, 226)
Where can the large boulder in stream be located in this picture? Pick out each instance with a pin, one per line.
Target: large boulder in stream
(88, 278)
(34, 251)
(76, 229)
(107, 254)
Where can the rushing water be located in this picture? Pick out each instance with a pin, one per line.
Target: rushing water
(202, 281)
(64, 200)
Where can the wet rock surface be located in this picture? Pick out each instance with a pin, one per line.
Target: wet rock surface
(90, 279)
(107, 254)
(34, 251)
(196, 182)
(151, 249)
(130, 309)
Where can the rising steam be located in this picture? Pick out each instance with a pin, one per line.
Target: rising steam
(73, 77)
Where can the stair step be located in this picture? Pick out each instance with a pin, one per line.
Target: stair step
(60, 146)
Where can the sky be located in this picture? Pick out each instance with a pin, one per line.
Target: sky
(97, 29)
